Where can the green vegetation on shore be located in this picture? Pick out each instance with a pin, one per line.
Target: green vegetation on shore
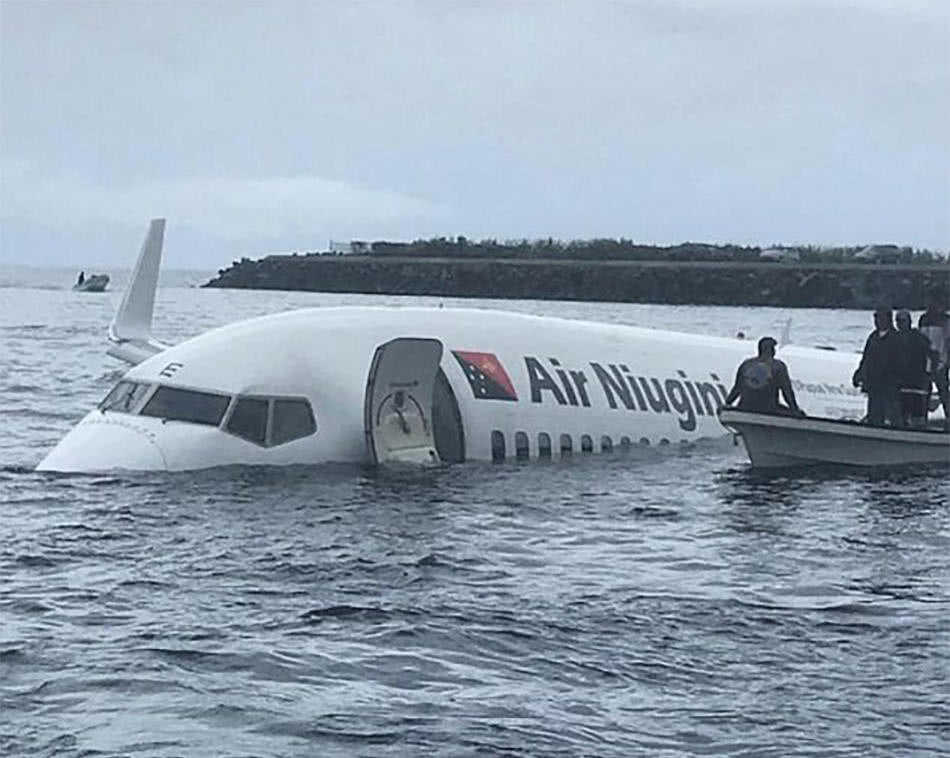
(774, 283)
(625, 249)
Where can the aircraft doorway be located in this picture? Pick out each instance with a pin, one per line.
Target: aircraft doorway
(447, 425)
(410, 413)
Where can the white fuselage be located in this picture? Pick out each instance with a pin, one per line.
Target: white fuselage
(583, 385)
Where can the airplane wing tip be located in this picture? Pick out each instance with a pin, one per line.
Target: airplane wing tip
(132, 321)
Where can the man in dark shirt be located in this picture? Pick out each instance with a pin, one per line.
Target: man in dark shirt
(760, 379)
(935, 325)
(915, 380)
(879, 372)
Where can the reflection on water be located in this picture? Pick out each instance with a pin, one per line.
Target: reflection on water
(654, 602)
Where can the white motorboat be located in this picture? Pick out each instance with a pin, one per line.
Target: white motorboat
(775, 441)
(95, 283)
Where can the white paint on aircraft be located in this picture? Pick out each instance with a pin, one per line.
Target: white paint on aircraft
(318, 385)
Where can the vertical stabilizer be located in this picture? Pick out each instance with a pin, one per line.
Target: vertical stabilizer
(132, 322)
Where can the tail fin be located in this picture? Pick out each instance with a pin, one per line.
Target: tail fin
(131, 329)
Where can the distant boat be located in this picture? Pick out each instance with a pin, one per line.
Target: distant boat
(95, 283)
(778, 441)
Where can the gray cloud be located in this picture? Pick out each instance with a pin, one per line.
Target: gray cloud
(257, 126)
(225, 208)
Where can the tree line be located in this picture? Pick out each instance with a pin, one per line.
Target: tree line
(625, 249)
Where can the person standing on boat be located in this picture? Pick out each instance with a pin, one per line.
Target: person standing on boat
(934, 324)
(915, 380)
(879, 372)
(759, 381)
(82, 278)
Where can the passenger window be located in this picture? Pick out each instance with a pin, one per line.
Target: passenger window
(566, 445)
(544, 445)
(174, 404)
(521, 446)
(645, 442)
(587, 444)
(124, 397)
(606, 444)
(292, 420)
(249, 420)
(625, 442)
(497, 446)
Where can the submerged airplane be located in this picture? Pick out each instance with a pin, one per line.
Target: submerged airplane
(385, 384)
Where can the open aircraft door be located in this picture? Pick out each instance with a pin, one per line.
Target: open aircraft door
(398, 418)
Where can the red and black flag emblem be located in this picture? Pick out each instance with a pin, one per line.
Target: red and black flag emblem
(487, 376)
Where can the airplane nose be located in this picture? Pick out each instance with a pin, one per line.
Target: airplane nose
(103, 442)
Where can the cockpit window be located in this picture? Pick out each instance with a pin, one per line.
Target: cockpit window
(174, 404)
(124, 397)
(249, 419)
(292, 420)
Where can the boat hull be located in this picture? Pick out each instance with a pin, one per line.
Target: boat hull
(96, 283)
(781, 441)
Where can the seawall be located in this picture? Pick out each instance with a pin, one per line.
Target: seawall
(848, 285)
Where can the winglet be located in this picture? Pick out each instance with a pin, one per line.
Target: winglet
(132, 322)
(786, 337)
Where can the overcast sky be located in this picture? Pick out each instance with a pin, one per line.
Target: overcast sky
(256, 127)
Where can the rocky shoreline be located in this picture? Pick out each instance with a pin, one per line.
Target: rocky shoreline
(814, 285)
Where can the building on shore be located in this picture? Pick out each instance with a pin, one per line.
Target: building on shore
(353, 247)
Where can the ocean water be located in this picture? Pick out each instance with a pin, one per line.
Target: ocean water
(660, 603)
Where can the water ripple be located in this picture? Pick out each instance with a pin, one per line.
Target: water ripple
(661, 603)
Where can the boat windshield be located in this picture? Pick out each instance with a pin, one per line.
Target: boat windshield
(124, 397)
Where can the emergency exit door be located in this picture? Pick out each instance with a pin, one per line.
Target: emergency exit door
(398, 421)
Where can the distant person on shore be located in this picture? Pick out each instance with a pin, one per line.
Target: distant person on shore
(915, 379)
(82, 277)
(934, 324)
(759, 381)
(879, 372)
